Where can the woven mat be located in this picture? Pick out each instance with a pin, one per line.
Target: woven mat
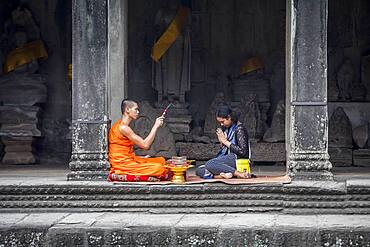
(197, 180)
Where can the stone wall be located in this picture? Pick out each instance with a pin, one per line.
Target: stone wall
(223, 35)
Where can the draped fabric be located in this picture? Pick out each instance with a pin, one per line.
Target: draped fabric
(171, 34)
(251, 64)
(25, 54)
(124, 161)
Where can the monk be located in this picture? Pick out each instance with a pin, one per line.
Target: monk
(125, 165)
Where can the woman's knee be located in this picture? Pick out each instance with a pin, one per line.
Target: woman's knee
(210, 164)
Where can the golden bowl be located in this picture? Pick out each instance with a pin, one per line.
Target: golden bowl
(179, 172)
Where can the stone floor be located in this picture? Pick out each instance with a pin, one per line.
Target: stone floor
(137, 229)
(10, 174)
(145, 229)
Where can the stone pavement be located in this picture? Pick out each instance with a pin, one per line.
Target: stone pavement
(41, 173)
(47, 227)
(137, 229)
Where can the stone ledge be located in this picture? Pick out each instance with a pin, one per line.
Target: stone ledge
(306, 197)
(138, 229)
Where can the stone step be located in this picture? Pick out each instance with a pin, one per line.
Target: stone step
(140, 229)
(307, 197)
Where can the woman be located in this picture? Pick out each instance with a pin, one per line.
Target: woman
(234, 145)
(125, 165)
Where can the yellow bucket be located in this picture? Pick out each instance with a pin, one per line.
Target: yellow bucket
(242, 165)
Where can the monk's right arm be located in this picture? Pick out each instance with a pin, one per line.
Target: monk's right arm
(137, 140)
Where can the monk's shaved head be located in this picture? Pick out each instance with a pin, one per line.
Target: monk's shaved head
(127, 103)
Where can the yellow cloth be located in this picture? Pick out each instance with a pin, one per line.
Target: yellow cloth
(70, 72)
(124, 161)
(25, 54)
(171, 34)
(251, 64)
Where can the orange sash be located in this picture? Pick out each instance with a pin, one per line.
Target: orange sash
(124, 161)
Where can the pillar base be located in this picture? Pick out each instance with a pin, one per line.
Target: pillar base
(87, 175)
(310, 170)
(83, 167)
(312, 175)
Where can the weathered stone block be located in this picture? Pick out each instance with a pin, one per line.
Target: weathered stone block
(161, 237)
(23, 129)
(67, 239)
(197, 151)
(186, 119)
(270, 152)
(196, 237)
(12, 158)
(233, 237)
(253, 85)
(303, 238)
(19, 114)
(32, 93)
(178, 127)
(95, 238)
(361, 157)
(178, 137)
(118, 238)
(19, 148)
(22, 237)
(340, 156)
(142, 236)
(345, 238)
(271, 237)
(17, 141)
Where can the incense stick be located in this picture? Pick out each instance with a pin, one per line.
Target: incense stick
(165, 110)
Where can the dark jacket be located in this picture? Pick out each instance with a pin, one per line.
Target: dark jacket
(241, 148)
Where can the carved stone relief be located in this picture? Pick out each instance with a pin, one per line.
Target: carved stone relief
(164, 143)
(340, 129)
(276, 133)
(211, 124)
(251, 117)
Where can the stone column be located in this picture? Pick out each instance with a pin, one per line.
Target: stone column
(89, 90)
(117, 56)
(306, 97)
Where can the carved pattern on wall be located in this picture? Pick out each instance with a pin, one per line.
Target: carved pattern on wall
(286, 198)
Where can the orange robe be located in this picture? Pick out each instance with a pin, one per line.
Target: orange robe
(124, 161)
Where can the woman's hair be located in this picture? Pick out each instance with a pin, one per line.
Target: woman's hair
(126, 103)
(224, 111)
